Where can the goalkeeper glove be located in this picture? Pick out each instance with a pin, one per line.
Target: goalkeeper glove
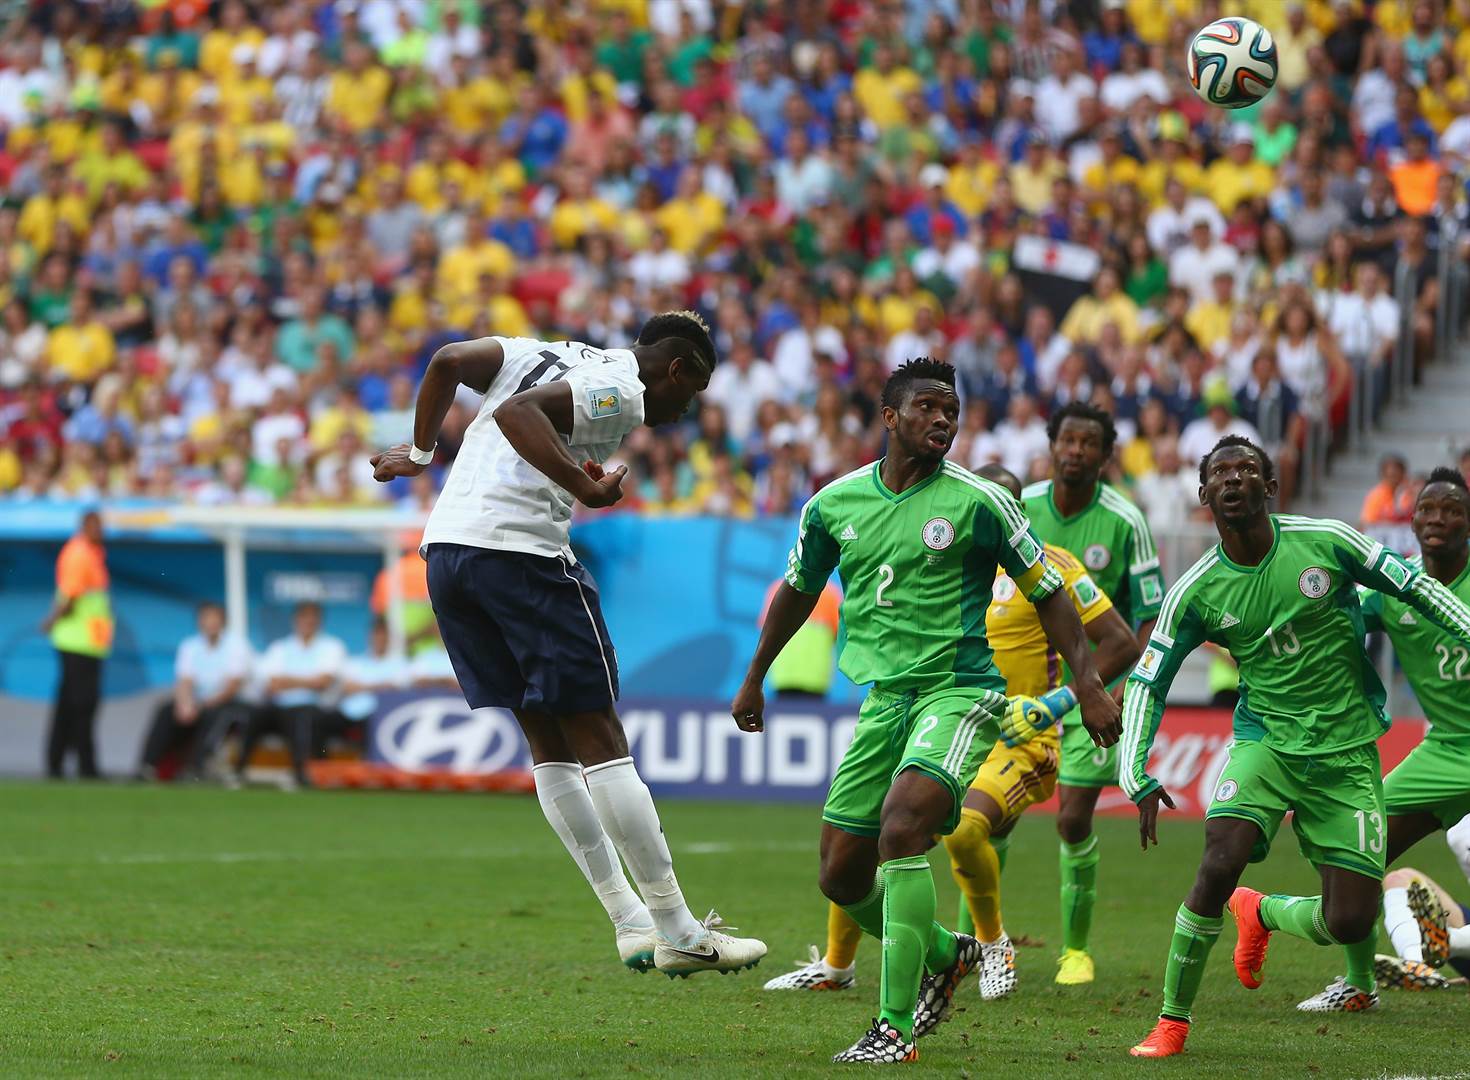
(1026, 717)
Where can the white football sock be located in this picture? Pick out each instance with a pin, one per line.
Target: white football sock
(1460, 943)
(568, 808)
(1402, 927)
(1457, 836)
(626, 810)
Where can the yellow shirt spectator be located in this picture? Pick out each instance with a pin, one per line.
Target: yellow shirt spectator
(242, 181)
(1155, 176)
(881, 95)
(358, 98)
(461, 267)
(504, 314)
(122, 168)
(81, 353)
(1209, 322)
(1228, 183)
(10, 469)
(577, 90)
(491, 185)
(1440, 108)
(427, 181)
(1151, 18)
(969, 186)
(897, 313)
(1101, 175)
(480, 103)
(217, 45)
(238, 95)
(330, 423)
(574, 218)
(1089, 314)
(1031, 185)
(691, 220)
(38, 218)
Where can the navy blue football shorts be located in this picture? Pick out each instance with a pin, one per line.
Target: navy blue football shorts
(523, 631)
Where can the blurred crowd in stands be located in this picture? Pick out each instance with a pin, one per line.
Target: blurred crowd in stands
(233, 233)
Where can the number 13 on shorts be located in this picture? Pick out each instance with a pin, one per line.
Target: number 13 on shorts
(1370, 830)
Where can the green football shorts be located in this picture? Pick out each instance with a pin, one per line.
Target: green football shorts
(946, 735)
(1084, 763)
(1433, 779)
(1337, 798)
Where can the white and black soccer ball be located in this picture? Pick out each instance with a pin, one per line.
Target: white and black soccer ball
(1232, 62)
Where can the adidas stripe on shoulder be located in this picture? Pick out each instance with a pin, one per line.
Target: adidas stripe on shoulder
(1167, 627)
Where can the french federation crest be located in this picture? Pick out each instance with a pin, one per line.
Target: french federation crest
(938, 533)
(1314, 583)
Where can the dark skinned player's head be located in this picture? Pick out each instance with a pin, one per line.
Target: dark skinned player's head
(1082, 438)
(1236, 480)
(1442, 513)
(998, 473)
(679, 344)
(921, 409)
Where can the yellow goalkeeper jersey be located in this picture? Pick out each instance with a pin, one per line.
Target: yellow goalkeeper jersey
(1026, 659)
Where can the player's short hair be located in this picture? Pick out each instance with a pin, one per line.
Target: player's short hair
(686, 326)
(208, 605)
(1082, 410)
(1443, 474)
(900, 384)
(995, 471)
(1268, 467)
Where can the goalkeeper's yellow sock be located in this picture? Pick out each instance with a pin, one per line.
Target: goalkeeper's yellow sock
(843, 935)
(976, 868)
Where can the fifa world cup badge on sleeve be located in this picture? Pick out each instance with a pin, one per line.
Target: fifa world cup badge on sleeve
(604, 402)
(1148, 664)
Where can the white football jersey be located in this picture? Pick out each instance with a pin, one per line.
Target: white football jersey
(494, 498)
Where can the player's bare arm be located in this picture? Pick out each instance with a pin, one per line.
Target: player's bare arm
(534, 422)
(473, 363)
(790, 609)
(1114, 647)
(1100, 715)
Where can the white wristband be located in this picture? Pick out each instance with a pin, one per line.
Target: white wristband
(420, 457)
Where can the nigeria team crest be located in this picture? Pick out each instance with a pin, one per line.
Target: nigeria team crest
(1096, 557)
(1314, 582)
(938, 533)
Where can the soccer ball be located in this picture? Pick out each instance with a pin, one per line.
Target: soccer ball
(1232, 62)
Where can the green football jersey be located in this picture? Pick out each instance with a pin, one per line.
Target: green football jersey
(917, 572)
(1436, 663)
(1112, 539)
(1295, 627)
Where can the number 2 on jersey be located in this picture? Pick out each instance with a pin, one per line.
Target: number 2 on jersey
(885, 576)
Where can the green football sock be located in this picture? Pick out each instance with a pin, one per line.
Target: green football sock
(1194, 936)
(908, 932)
(1360, 963)
(868, 912)
(1079, 890)
(1299, 916)
(1002, 845)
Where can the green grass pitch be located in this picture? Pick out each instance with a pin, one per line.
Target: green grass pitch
(197, 933)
